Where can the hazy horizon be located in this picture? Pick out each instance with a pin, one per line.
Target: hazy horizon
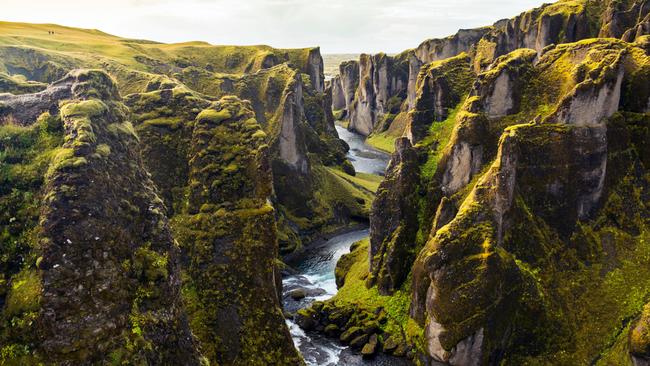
(337, 26)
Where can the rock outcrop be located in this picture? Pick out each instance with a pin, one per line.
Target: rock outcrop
(229, 236)
(393, 222)
(381, 77)
(344, 86)
(440, 87)
(550, 24)
(571, 159)
(626, 20)
(106, 284)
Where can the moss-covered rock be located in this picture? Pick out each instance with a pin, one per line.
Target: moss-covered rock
(228, 233)
(520, 212)
(119, 302)
(440, 87)
(393, 223)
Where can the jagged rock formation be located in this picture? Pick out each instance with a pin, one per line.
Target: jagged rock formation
(562, 22)
(286, 88)
(380, 78)
(344, 86)
(237, 180)
(220, 178)
(100, 278)
(440, 88)
(530, 201)
(229, 237)
(214, 167)
(563, 158)
(626, 20)
(495, 94)
(393, 222)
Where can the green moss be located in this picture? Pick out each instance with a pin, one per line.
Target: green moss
(103, 150)
(16, 84)
(62, 158)
(19, 319)
(125, 128)
(355, 292)
(25, 153)
(214, 116)
(437, 139)
(259, 134)
(150, 264)
(24, 295)
(86, 108)
(165, 122)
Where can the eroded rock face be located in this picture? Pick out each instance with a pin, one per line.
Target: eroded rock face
(291, 140)
(440, 87)
(24, 109)
(393, 222)
(109, 272)
(381, 77)
(594, 99)
(499, 89)
(346, 84)
(315, 70)
(464, 161)
(230, 238)
(550, 24)
(626, 20)
(471, 242)
(440, 49)
(550, 174)
(338, 97)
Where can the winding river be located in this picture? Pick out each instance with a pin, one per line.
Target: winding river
(315, 274)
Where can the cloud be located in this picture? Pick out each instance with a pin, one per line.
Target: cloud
(345, 26)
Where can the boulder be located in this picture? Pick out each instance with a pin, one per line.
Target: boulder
(370, 348)
(352, 333)
(359, 342)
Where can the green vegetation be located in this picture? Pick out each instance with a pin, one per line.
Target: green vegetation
(437, 139)
(369, 182)
(382, 141)
(135, 64)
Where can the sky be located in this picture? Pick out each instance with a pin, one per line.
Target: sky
(338, 26)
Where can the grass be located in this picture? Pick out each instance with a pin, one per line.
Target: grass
(355, 292)
(382, 141)
(132, 62)
(439, 133)
(337, 187)
(25, 293)
(366, 181)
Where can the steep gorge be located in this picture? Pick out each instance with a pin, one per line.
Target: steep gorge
(499, 235)
(148, 193)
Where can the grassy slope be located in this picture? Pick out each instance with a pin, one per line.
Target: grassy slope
(93, 48)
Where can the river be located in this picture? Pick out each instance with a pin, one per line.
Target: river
(315, 274)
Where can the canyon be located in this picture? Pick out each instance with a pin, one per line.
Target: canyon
(480, 199)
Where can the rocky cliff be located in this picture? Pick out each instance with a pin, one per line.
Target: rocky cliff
(561, 22)
(91, 273)
(508, 214)
(344, 86)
